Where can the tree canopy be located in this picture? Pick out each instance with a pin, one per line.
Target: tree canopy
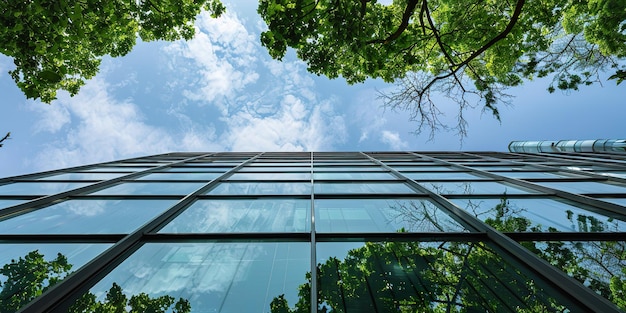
(59, 44)
(28, 277)
(469, 51)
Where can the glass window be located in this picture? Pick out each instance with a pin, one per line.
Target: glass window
(530, 175)
(421, 168)
(428, 277)
(116, 169)
(83, 176)
(198, 169)
(354, 176)
(86, 217)
(260, 215)
(598, 265)
(30, 268)
(181, 176)
(380, 215)
(38, 188)
(270, 176)
(136, 188)
(440, 175)
(620, 201)
(347, 169)
(214, 277)
(261, 188)
(468, 188)
(614, 174)
(305, 169)
(362, 188)
(539, 215)
(585, 187)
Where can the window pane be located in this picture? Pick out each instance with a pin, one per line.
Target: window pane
(215, 216)
(468, 188)
(585, 187)
(214, 277)
(261, 189)
(421, 168)
(366, 188)
(347, 169)
(539, 215)
(181, 176)
(83, 176)
(620, 201)
(270, 176)
(132, 188)
(373, 215)
(440, 175)
(116, 169)
(598, 265)
(29, 268)
(86, 217)
(38, 188)
(428, 277)
(305, 169)
(528, 175)
(354, 175)
(214, 169)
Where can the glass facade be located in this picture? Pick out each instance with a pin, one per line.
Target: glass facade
(318, 232)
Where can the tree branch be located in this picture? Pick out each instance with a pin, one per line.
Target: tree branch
(408, 11)
(5, 138)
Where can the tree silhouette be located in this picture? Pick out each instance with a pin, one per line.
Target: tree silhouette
(31, 275)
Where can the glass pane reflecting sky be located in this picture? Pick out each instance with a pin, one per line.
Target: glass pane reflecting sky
(469, 188)
(86, 217)
(38, 188)
(83, 176)
(262, 215)
(388, 215)
(261, 189)
(132, 188)
(362, 188)
(214, 277)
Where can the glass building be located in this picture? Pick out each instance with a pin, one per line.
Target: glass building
(319, 232)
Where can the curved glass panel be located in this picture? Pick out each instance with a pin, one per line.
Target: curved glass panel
(261, 215)
(213, 277)
(384, 215)
(86, 217)
(539, 215)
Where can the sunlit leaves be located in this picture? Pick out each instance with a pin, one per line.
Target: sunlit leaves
(58, 45)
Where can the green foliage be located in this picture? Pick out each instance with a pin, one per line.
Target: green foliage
(59, 44)
(491, 44)
(28, 277)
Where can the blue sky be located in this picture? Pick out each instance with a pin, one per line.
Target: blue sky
(222, 92)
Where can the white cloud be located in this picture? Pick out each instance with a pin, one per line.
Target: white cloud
(222, 54)
(105, 129)
(393, 140)
(295, 127)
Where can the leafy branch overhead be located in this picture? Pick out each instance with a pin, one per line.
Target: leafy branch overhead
(59, 44)
(469, 51)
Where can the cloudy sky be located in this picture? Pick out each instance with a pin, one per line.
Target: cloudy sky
(222, 92)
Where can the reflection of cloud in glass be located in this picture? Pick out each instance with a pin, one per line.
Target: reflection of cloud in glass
(214, 276)
(210, 216)
(85, 208)
(262, 188)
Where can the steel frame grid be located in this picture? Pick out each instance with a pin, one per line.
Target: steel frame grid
(101, 265)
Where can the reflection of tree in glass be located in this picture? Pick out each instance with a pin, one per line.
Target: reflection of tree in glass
(30, 276)
(422, 277)
(422, 216)
(600, 266)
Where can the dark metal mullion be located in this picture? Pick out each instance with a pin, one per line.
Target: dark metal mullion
(578, 292)
(40, 202)
(59, 297)
(602, 206)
